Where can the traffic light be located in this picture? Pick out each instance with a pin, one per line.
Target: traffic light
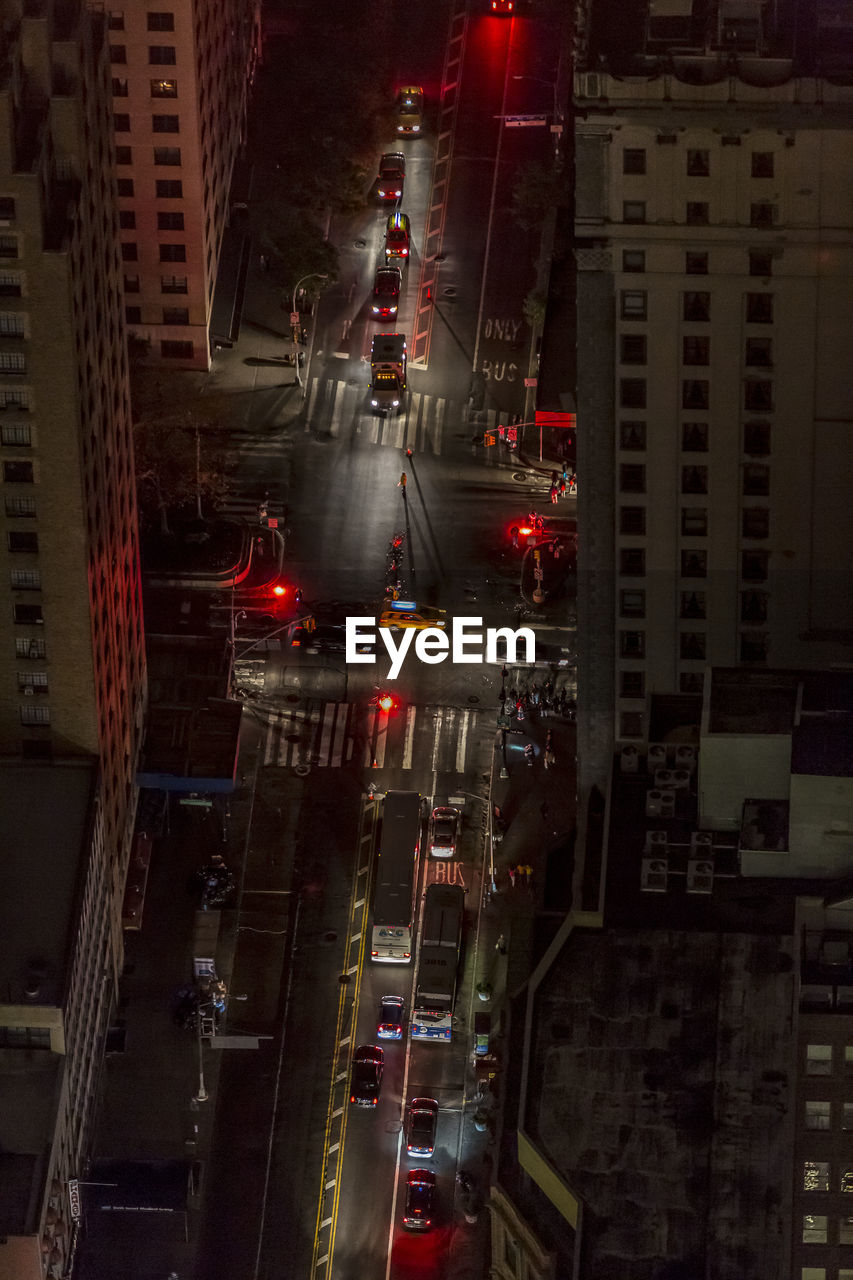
(386, 702)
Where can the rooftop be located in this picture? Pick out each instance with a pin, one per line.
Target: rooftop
(45, 814)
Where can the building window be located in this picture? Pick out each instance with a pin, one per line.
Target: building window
(161, 55)
(115, 20)
(632, 393)
(632, 478)
(692, 646)
(632, 604)
(166, 124)
(632, 520)
(762, 214)
(845, 1230)
(35, 715)
(756, 438)
(762, 164)
(127, 220)
(845, 1181)
(164, 88)
(753, 607)
(691, 682)
(817, 1114)
(129, 252)
(694, 522)
(33, 680)
(633, 160)
(697, 213)
(759, 308)
(173, 284)
(695, 393)
(118, 53)
(759, 351)
(124, 155)
(760, 263)
(632, 435)
(695, 264)
(698, 163)
(161, 22)
(632, 562)
(756, 522)
(21, 508)
(12, 362)
(25, 580)
(693, 605)
(119, 88)
(756, 480)
(18, 472)
(176, 350)
(170, 222)
(121, 122)
(11, 325)
(167, 155)
(846, 1116)
(754, 565)
(758, 394)
(818, 1059)
(632, 684)
(696, 306)
(695, 350)
(694, 564)
(125, 186)
(632, 644)
(631, 724)
(633, 260)
(632, 348)
(634, 304)
(848, 1061)
(169, 188)
(131, 284)
(633, 211)
(14, 399)
(21, 541)
(173, 253)
(133, 315)
(694, 437)
(176, 315)
(18, 434)
(31, 649)
(28, 615)
(10, 284)
(814, 1228)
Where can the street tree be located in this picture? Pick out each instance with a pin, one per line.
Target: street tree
(540, 186)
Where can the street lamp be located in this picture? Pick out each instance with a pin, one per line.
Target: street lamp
(294, 323)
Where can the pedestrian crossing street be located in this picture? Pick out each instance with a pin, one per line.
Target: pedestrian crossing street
(334, 735)
(340, 409)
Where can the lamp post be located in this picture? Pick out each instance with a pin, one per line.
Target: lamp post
(294, 323)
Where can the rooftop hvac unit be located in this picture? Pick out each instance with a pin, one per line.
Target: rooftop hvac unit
(653, 803)
(656, 840)
(701, 843)
(700, 875)
(685, 758)
(680, 779)
(629, 759)
(664, 777)
(653, 876)
(657, 756)
(667, 804)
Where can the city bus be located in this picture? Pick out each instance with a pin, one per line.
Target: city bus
(438, 962)
(396, 877)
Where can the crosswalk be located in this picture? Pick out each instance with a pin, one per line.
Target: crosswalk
(333, 735)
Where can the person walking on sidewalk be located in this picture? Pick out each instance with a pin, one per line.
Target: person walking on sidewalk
(401, 483)
(550, 758)
(553, 493)
(511, 872)
(528, 874)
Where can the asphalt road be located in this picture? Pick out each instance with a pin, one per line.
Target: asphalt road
(335, 468)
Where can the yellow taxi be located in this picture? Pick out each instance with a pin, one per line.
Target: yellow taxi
(410, 109)
(406, 614)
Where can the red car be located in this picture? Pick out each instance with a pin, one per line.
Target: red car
(387, 284)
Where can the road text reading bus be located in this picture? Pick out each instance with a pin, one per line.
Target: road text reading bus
(438, 962)
(396, 877)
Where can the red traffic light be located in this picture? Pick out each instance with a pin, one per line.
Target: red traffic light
(386, 702)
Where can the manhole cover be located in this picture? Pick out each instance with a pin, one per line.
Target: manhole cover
(472, 698)
(293, 697)
(359, 244)
(328, 938)
(449, 292)
(440, 257)
(520, 476)
(302, 770)
(292, 737)
(344, 979)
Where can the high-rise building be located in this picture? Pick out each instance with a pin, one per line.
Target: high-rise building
(714, 226)
(180, 82)
(72, 658)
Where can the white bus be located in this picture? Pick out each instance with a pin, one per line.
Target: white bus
(396, 877)
(438, 962)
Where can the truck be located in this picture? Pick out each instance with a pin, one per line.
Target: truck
(387, 371)
(438, 962)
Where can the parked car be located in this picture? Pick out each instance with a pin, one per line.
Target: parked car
(387, 284)
(368, 1064)
(392, 1011)
(443, 832)
(423, 1120)
(420, 1200)
(392, 175)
